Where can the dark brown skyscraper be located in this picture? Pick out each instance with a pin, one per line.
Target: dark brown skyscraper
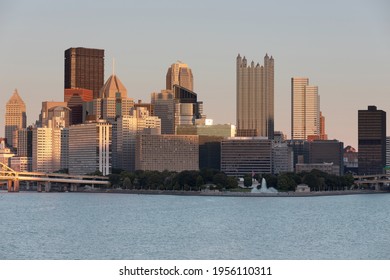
(372, 141)
(84, 68)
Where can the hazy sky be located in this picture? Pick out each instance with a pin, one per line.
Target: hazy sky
(343, 47)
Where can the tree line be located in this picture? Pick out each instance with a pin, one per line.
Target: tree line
(196, 180)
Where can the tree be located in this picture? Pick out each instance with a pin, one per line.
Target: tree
(114, 180)
(231, 183)
(199, 181)
(127, 183)
(285, 182)
(220, 179)
(312, 181)
(247, 180)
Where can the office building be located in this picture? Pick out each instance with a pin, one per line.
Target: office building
(111, 104)
(188, 110)
(371, 141)
(126, 131)
(255, 98)
(282, 158)
(167, 152)
(75, 97)
(90, 148)
(84, 68)
(15, 118)
(21, 164)
(327, 151)
(305, 110)
(164, 108)
(44, 115)
(180, 74)
(246, 155)
(351, 163)
(218, 130)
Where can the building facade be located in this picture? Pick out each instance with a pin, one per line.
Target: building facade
(282, 158)
(75, 97)
(84, 68)
(305, 110)
(15, 118)
(371, 141)
(180, 74)
(164, 108)
(90, 148)
(255, 98)
(388, 155)
(327, 151)
(167, 152)
(246, 155)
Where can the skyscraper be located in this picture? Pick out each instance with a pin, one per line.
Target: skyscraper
(15, 118)
(305, 110)
(371, 140)
(84, 68)
(180, 74)
(255, 98)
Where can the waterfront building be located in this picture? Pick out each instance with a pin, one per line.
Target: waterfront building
(90, 148)
(282, 158)
(25, 146)
(179, 74)
(330, 151)
(167, 152)
(75, 97)
(84, 68)
(15, 118)
(164, 108)
(246, 155)
(255, 98)
(43, 150)
(371, 141)
(305, 110)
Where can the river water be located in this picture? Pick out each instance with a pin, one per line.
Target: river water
(127, 226)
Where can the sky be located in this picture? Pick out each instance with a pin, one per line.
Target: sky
(343, 47)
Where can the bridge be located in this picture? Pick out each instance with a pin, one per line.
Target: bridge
(13, 179)
(377, 180)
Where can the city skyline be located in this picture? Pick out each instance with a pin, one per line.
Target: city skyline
(350, 69)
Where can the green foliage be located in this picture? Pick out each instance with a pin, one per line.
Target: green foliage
(247, 180)
(285, 182)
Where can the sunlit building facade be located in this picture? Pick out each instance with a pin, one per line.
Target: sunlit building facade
(167, 152)
(305, 110)
(15, 118)
(180, 74)
(90, 148)
(255, 98)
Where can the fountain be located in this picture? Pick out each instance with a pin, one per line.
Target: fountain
(263, 188)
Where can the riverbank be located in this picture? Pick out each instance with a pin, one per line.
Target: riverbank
(235, 194)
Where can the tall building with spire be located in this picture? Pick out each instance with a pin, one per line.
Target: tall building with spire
(15, 118)
(84, 68)
(305, 110)
(255, 98)
(112, 101)
(180, 74)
